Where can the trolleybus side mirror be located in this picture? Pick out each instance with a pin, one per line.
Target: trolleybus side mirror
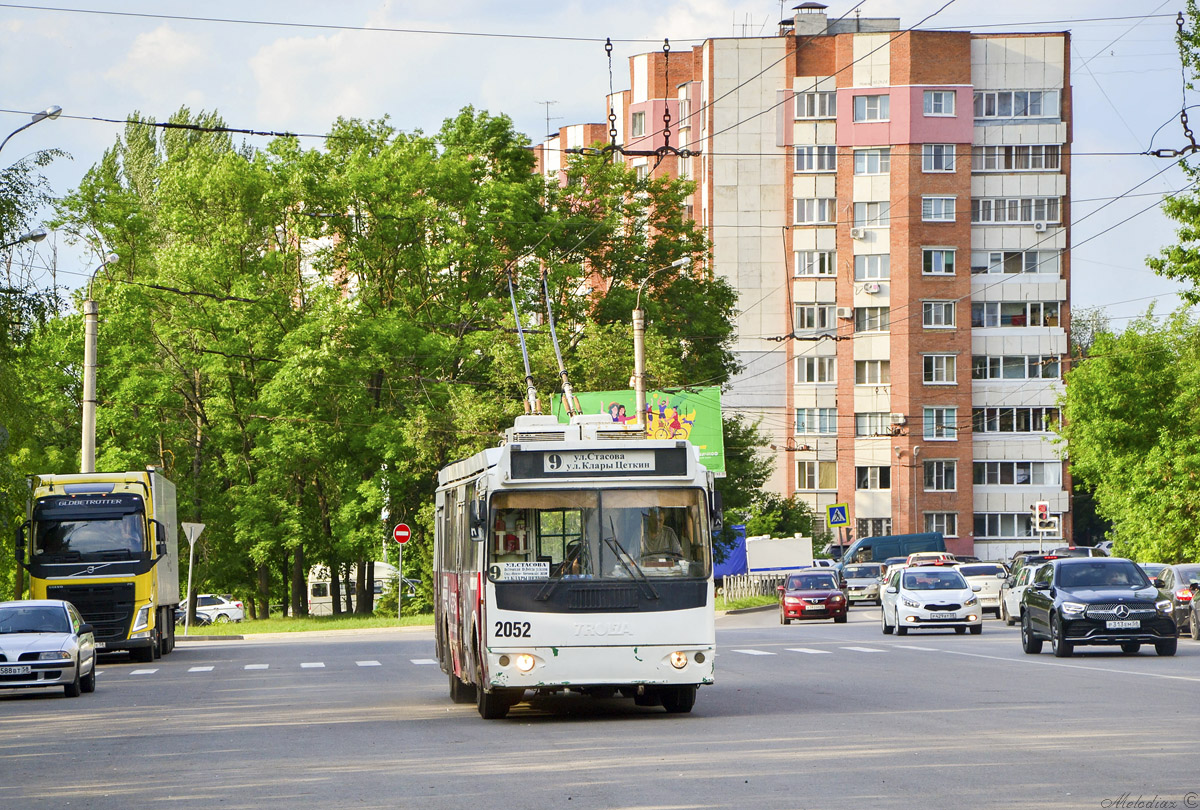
(477, 522)
(718, 512)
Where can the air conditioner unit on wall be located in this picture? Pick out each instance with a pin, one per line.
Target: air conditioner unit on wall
(858, 233)
(1040, 227)
(899, 419)
(846, 313)
(871, 287)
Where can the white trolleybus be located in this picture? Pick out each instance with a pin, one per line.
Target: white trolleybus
(575, 557)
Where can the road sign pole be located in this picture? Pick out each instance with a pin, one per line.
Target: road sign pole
(192, 532)
(399, 581)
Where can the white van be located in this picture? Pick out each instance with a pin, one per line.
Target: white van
(320, 603)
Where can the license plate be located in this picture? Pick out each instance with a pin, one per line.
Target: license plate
(100, 645)
(23, 670)
(814, 607)
(943, 615)
(1123, 624)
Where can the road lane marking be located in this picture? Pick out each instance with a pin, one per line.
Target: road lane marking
(915, 647)
(143, 672)
(809, 651)
(313, 665)
(863, 649)
(200, 669)
(1033, 660)
(423, 661)
(368, 663)
(752, 652)
(256, 666)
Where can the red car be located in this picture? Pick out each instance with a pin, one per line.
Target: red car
(812, 595)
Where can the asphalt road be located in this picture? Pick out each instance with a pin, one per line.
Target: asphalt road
(813, 715)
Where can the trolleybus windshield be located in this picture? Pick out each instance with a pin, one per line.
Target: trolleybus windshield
(598, 534)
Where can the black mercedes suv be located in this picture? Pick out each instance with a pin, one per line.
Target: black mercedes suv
(1095, 600)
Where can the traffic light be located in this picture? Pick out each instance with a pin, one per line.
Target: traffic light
(1041, 517)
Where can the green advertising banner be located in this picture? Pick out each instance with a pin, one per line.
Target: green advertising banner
(692, 415)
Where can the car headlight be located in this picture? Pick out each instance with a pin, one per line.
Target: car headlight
(142, 621)
(791, 600)
(971, 601)
(1073, 608)
(1165, 606)
(910, 603)
(57, 655)
(837, 597)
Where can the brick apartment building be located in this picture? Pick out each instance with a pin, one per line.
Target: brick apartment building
(892, 208)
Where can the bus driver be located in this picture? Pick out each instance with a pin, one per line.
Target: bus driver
(660, 538)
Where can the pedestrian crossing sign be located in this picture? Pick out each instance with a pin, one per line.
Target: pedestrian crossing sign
(838, 514)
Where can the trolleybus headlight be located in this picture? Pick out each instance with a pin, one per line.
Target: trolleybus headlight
(525, 662)
(678, 659)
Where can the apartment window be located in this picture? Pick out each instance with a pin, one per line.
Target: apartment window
(816, 421)
(815, 316)
(939, 369)
(872, 214)
(1014, 313)
(871, 108)
(1018, 473)
(816, 369)
(871, 319)
(872, 527)
(944, 522)
(941, 423)
(939, 102)
(642, 171)
(816, 475)
(937, 157)
(937, 261)
(685, 109)
(940, 476)
(1013, 420)
(1015, 261)
(819, 211)
(816, 158)
(872, 161)
(1027, 158)
(872, 477)
(816, 105)
(937, 209)
(998, 525)
(1021, 210)
(816, 263)
(872, 267)
(1015, 367)
(1016, 104)
(937, 314)
(872, 372)
(637, 124)
(870, 424)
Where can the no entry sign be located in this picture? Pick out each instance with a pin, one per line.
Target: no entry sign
(401, 533)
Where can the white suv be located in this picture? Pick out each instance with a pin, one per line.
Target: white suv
(930, 596)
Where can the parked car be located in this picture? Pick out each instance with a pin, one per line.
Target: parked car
(1036, 559)
(812, 594)
(181, 618)
(45, 642)
(927, 597)
(218, 609)
(1011, 590)
(1079, 551)
(989, 577)
(1094, 601)
(924, 557)
(862, 582)
(1175, 582)
(1152, 569)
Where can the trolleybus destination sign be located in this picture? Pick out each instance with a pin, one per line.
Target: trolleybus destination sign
(598, 462)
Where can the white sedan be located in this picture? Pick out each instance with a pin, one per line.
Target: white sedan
(989, 577)
(218, 609)
(45, 642)
(929, 597)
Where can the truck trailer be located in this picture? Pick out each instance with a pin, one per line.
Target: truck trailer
(108, 544)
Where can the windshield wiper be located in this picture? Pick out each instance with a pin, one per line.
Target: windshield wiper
(572, 556)
(636, 571)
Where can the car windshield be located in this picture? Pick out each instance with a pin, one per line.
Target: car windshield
(605, 534)
(1102, 575)
(34, 619)
(861, 571)
(812, 582)
(980, 570)
(920, 580)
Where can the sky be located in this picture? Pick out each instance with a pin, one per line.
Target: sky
(310, 62)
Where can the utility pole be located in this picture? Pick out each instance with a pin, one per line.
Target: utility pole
(548, 118)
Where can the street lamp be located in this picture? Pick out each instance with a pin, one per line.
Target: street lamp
(49, 112)
(91, 319)
(639, 344)
(36, 235)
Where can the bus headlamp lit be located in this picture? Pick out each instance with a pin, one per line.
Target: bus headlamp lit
(142, 621)
(679, 659)
(525, 662)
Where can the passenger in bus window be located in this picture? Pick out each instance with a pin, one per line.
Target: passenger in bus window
(661, 538)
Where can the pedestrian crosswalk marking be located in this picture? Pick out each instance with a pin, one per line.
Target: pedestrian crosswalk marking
(862, 649)
(753, 652)
(809, 651)
(313, 665)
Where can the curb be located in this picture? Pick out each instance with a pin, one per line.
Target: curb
(758, 609)
(179, 638)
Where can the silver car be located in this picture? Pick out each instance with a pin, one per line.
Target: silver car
(863, 581)
(989, 577)
(45, 642)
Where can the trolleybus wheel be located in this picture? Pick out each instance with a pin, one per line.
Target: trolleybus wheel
(679, 699)
(461, 692)
(494, 705)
